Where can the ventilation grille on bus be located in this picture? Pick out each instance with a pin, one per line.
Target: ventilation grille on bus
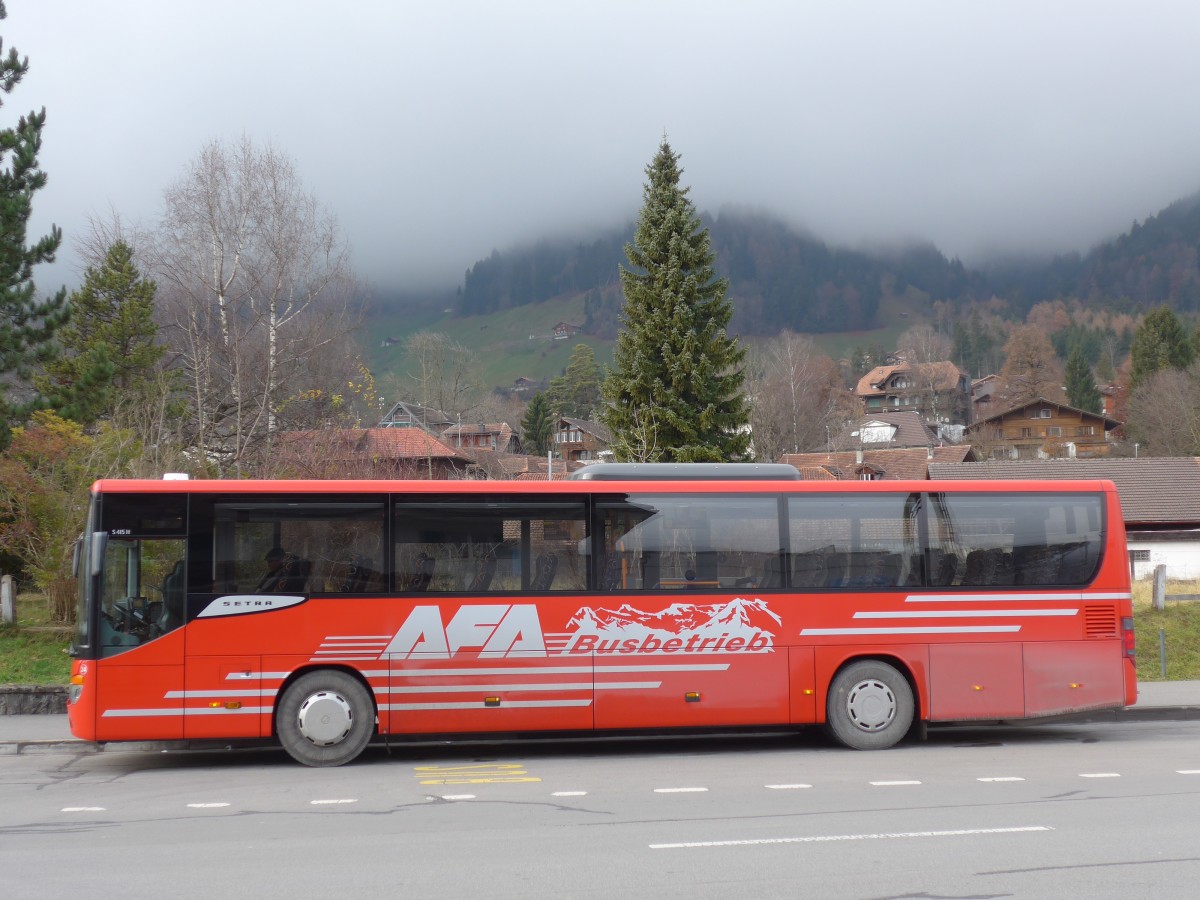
(1100, 622)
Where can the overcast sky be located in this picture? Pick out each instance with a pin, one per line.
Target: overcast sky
(439, 131)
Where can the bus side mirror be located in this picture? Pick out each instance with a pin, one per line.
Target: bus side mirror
(99, 545)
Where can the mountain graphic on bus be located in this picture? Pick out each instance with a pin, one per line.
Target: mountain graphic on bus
(739, 624)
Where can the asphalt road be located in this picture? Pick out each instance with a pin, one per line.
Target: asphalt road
(1068, 810)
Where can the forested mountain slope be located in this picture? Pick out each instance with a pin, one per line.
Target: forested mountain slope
(781, 277)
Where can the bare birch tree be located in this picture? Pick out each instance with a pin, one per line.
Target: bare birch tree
(927, 352)
(797, 397)
(256, 279)
(445, 374)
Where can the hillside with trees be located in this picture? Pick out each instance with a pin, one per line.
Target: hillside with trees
(780, 277)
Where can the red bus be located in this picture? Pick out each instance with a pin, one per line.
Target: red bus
(324, 614)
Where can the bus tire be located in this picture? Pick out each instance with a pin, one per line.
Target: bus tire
(326, 718)
(870, 706)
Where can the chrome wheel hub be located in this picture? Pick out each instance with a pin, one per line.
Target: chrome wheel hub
(871, 705)
(325, 718)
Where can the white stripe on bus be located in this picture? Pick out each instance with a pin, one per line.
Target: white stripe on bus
(965, 613)
(187, 711)
(578, 686)
(931, 629)
(519, 704)
(1057, 597)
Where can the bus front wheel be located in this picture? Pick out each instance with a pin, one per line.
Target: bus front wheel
(326, 718)
(870, 706)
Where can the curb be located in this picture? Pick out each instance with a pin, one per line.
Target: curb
(74, 745)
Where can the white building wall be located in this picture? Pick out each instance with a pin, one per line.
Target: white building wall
(1182, 558)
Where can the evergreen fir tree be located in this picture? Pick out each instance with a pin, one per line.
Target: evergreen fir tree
(26, 324)
(675, 393)
(537, 426)
(1160, 342)
(1082, 392)
(109, 341)
(576, 393)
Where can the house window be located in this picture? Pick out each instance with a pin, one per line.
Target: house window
(1085, 430)
(1045, 413)
(1053, 431)
(1026, 432)
(1139, 555)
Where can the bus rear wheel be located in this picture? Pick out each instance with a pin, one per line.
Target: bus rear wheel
(870, 706)
(326, 718)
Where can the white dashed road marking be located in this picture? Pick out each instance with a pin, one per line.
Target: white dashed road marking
(1099, 774)
(458, 796)
(569, 794)
(828, 838)
(330, 802)
(83, 809)
(892, 783)
(786, 787)
(206, 805)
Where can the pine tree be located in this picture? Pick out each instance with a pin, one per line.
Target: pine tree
(675, 393)
(537, 426)
(1160, 342)
(576, 393)
(109, 340)
(1082, 392)
(26, 324)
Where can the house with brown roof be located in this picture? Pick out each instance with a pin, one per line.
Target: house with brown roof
(904, 464)
(413, 415)
(522, 467)
(580, 440)
(371, 453)
(887, 431)
(497, 436)
(1043, 429)
(1160, 501)
(564, 330)
(939, 391)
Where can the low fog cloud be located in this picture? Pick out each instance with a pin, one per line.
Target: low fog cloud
(438, 134)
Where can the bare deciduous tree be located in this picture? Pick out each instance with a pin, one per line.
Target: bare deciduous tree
(446, 375)
(1164, 413)
(927, 352)
(256, 279)
(797, 395)
(1031, 368)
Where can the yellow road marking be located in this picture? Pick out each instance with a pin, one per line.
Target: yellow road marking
(484, 773)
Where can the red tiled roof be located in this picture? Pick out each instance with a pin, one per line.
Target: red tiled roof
(893, 465)
(381, 443)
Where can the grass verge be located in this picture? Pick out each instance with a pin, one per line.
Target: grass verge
(1178, 648)
(33, 651)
